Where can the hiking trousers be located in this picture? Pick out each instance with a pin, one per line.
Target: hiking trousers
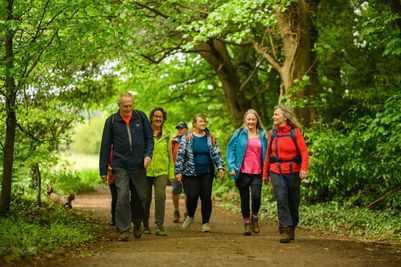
(159, 183)
(130, 205)
(245, 183)
(288, 195)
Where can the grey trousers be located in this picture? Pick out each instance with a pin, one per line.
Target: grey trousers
(159, 183)
(288, 197)
(130, 205)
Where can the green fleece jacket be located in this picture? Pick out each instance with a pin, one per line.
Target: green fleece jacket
(162, 160)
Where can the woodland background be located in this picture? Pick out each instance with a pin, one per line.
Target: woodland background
(337, 63)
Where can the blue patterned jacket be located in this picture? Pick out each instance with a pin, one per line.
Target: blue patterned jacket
(185, 163)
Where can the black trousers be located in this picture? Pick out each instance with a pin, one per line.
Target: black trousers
(195, 187)
(253, 182)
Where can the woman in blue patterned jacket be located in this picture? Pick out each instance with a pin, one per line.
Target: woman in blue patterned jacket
(198, 155)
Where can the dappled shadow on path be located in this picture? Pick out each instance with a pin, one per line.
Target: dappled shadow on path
(223, 246)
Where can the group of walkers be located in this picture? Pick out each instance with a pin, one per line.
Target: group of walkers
(138, 156)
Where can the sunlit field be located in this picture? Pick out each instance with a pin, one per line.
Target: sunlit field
(82, 161)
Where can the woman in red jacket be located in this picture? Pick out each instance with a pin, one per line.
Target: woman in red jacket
(286, 164)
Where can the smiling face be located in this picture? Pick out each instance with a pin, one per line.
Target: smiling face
(251, 121)
(199, 123)
(157, 119)
(125, 105)
(278, 118)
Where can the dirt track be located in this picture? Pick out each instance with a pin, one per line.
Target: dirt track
(223, 246)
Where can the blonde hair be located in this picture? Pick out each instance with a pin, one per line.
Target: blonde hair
(196, 116)
(259, 123)
(289, 114)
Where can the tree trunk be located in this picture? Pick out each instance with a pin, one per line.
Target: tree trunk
(37, 179)
(11, 120)
(396, 8)
(295, 28)
(216, 54)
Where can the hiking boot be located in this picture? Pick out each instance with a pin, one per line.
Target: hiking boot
(291, 233)
(137, 230)
(187, 223)
(255, 224)
(205, 228)
(284, 236)
(248, 228)
(123, 236)
(146, 229)
(176, 216)
(160, 231)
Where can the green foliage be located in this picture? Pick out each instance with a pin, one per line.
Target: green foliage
(363, 156)
(28, 230)
(322, 217)
(64, 181)
(354, 222)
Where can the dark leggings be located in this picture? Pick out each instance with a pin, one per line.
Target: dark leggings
(195, 187)
(244, 182)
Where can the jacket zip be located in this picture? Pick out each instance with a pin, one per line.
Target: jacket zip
(129, 138)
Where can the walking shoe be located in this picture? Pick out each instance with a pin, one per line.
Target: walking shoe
(176, 216)
(291, 233)
(205, 228)
(255, 224)
(123, 236)
(160, 231)
(187, 223)
(284, 236)
(146, 229)
(137, 230)
(248, 228)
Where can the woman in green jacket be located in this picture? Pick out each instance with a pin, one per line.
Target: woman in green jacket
(160, 170)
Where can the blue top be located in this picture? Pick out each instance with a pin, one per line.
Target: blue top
(201, 154)
(237, 146)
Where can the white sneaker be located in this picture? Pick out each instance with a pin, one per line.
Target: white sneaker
(205, 227)
(187, 223)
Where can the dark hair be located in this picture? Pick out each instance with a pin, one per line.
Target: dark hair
(156, 109)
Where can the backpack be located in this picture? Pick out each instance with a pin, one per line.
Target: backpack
(296, 159)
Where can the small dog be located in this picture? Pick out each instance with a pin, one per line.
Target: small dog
(64, 200)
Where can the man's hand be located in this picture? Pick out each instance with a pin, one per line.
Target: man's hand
(146, 162)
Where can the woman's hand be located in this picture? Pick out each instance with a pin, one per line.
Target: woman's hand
(303, 174)
(265, 179)
(178, 177)
(221, 172)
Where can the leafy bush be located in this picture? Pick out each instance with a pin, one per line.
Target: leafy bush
(64, 181)
(357, 163)
(30, 230)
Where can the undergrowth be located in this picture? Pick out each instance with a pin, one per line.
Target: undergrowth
(28, 230)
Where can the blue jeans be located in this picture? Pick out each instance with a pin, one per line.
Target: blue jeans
(130, 205)
(288, 197)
